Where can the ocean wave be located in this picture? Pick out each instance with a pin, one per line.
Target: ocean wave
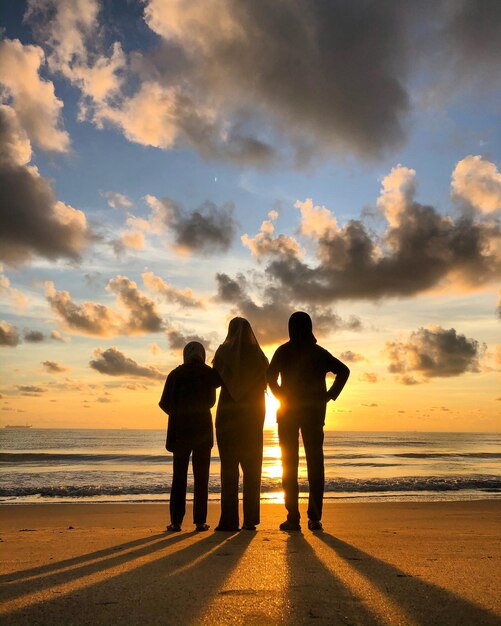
(491, 484)
(48, 458)
(59, 457)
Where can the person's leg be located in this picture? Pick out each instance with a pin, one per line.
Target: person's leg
(313, 439)
(229, 485)
(252, 461)
(178, 489)
(288, 435)
(201, 464)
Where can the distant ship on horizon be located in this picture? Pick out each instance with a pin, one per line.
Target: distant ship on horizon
(18, 426)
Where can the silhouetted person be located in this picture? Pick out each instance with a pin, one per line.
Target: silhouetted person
(302, 366)
(188, 395)
(242, 367)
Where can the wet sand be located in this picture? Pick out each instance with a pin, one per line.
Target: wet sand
(419, 564)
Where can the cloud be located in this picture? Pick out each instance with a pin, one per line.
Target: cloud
(351, 357)
(154, 349)
(91, 318)
(369, 377)
(75, 42)
(8, 334)
(433, 352)
(178, 339)
(53, 367)
(57, 336)
(269, 319)
(117, 200)
(37, 108)
(265, 244)
(130, 240)
(207, 230)
(477, 182)
(33, 336)
(34, 221)
(419, 250)
(171, 294)
(316, 105)
(143, 316)
(371, 405)
(255, 83)
(18, 299)
(114, 363)
(30, 390)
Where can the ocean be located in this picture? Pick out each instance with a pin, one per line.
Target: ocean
(69, 465)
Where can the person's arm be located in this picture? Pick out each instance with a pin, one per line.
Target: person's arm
(273, 374)
(342, 373)
(215, 382)
(166, 400)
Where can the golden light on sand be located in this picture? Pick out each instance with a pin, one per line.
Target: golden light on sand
(272, 405)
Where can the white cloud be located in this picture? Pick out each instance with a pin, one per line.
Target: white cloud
(37, 108)
(477, 182)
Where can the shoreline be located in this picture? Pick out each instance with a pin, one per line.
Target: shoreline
(416, 564)
(277, 498)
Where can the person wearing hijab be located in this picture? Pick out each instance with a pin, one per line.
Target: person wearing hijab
(188, 395)
(242, 366)
(302, 366)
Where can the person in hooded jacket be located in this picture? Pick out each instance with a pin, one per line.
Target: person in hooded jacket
(188, 395)
(302, 366)
(242, 366)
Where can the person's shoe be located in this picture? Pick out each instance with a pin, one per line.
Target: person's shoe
(227, 529)
(174, 528)
(315, 525)
(248, 527)
(290, 526)
(201, 528)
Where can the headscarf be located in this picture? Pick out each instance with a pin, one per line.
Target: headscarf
(239, 360)
(193, 351)
(301, 328)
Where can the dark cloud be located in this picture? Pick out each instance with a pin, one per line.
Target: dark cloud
(351, 357)
(114, 363)
(96, 319)
(269, 319)
(472, 38)
(207, 230)
(30, 390)
(433, 352)
(53, 367)
(34, 222)
(300, 67)
(142, 314)
(371, 405)
(33, 336)
(177, 339)
(419, 249)
(9, 335)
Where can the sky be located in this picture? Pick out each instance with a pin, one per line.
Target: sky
(166, 165)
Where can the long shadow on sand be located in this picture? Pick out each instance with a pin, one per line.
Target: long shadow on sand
(78, 560)
(41, 578)
(316, 595)
(426, 604)
(170, 590)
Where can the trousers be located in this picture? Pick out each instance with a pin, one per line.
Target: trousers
(200, 462)
(312, 433)
(247, 453)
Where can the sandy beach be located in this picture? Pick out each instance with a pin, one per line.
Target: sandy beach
(375, 563)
